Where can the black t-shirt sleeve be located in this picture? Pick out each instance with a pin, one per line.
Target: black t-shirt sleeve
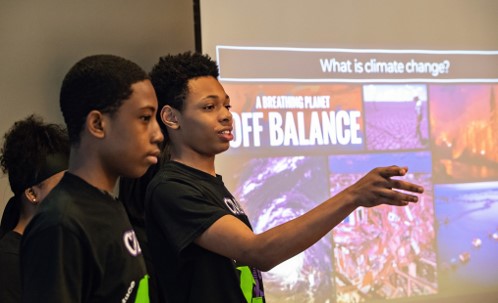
(52, 264)
(182, 212)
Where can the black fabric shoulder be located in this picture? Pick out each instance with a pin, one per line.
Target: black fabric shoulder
(10, 216)
(177, 199)
(176, 172)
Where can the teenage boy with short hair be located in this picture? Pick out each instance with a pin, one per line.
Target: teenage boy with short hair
(80, 247)
(203, 250)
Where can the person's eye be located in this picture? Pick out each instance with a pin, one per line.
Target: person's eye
(209, 107)
(146, 118)
(228, 106)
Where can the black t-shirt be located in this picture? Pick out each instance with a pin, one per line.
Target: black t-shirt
(10, 279)
(80, 247)
(181, 203)
(132, 195)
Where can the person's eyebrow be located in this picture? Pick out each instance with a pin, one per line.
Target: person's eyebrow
(216, 97)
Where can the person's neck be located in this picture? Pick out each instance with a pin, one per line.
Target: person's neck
(203, 164)
(28, 211)
(90, 170)
(21, 226)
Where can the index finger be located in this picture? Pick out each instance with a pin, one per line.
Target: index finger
(406, 186)
(393, 171)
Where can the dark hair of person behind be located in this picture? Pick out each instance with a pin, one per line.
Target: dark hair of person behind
(98, 82)
(26, 146)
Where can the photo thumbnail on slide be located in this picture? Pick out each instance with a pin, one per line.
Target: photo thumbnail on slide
(468, 235)
(309, 122)
(384, 252)
(464, 123)
(396, 116)
(285, 118)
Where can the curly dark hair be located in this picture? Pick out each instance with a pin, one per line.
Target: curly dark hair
(98, 82)
(26, 146)
(170, 77)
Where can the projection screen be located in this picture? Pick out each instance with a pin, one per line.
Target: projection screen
(324, 91)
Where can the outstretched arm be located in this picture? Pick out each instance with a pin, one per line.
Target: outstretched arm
(229, 237)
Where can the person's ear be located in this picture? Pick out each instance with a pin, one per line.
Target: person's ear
(169, 116)
(31, 195)
(95, 123)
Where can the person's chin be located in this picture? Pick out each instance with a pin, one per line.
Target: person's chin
(136, 173)
(225, 147)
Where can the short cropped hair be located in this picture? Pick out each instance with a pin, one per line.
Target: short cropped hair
(170, 77)
(26, 147)
(98, 82)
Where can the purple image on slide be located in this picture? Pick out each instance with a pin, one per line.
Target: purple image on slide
(467, 235)
(273, 191)
(464, 132)
(384, 252)
(396, 125)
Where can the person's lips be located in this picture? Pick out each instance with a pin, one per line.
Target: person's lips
(226, 134)
(153, 157)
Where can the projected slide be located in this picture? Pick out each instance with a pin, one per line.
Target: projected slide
(310, 122)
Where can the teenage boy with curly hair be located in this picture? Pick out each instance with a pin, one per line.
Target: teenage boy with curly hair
(201, 241)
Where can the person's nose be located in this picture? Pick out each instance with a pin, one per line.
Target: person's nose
(226, 116)
(157, 134)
